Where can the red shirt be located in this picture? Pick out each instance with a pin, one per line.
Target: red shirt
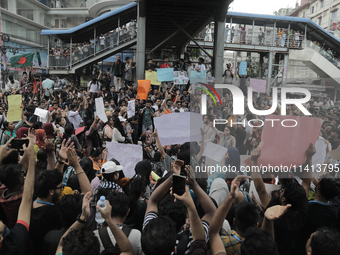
(165, 65)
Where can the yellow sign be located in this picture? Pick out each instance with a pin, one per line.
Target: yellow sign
(14, 108)
(153, 77)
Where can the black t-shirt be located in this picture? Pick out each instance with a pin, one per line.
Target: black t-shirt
(319, 215)
(43, 219)
(288, 226)
(52, 240)
(16, 242)
(106, 83)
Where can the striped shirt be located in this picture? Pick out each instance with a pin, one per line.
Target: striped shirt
(153, 215)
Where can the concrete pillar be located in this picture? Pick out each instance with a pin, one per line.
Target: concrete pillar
(141, 31)
(285, 70)
(219, 50)
(276, 68)
(270, 70)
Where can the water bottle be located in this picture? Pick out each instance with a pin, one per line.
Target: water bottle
(102, 204)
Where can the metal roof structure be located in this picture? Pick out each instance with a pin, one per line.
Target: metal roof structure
(103, 24)
(314, 31)
(190, 15)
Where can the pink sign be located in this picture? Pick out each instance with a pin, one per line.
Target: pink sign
(287, 146)
(258, 85)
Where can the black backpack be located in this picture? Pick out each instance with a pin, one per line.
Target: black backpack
(109, 248)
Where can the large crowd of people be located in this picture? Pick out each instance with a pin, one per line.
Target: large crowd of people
(50, 187)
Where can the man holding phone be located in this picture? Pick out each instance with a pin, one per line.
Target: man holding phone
(159, 233)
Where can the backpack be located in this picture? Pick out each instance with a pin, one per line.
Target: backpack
(109, 248)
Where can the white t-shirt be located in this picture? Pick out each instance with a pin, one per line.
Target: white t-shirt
(102, 40)
(134, 238)
(200, 67)
(94, 87)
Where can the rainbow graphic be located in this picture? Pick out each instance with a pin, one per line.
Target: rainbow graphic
(208, 92)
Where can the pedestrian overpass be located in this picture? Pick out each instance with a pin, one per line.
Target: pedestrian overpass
(174, 24)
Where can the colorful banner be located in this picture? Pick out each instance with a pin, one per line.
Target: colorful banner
(14, 108)
(258, 85)
(242, 70)
(165, 74)
(153, 77)
(197, 77)
(143, 89)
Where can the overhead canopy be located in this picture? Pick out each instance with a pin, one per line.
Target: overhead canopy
(103, 24)
(314, 31)
(192, 15)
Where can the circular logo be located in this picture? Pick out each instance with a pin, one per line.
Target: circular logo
(22, 60)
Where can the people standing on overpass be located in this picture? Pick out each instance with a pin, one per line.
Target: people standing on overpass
(232, 33)
(132, 29)
(226, 33)
(200, 66)
(260, 36)
(297, 39)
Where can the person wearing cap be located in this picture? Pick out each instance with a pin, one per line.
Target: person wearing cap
(110, 172)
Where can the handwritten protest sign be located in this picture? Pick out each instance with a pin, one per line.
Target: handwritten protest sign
(14, 110)
(287, 146)
(152, 76)
(131, 109)
(165, 74)
(243, 68)
(258, 85)
(43, 114)
(100, 109)
(178, 128)
(143, 89)
(128, 156)
(197, 77)
(214, 151)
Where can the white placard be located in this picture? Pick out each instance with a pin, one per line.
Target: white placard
(178, 128)
(131, 110)
(214, 151)
(100, 111)
(269, 189)
(128, 156)
(320, 155)
(43, 114)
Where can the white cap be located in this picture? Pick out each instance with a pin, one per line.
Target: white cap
(121, 119)
(111, 167)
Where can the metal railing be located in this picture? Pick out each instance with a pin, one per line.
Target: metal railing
(326, 53)
(257, 38)
(83, 52)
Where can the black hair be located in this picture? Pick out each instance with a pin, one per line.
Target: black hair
(95, 152)
(148, 101)
(247, 216)
(69, 207)
(325, 241)
(184, 153)
(73, 106)
(12, 158)
(258, 242)
(157, 157)
(58, 120)
(42, 161)
(10, 77)
(69, 131)
(294, 194)
(134, 189)
(174, 210)
(37, 125)
(10, 175)
(47, 180)
(73, 182)
(30, 108)
(159, 236)
(5, 124)
(79, 242)
(210, 117)
(120, 204)
(329, 187)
